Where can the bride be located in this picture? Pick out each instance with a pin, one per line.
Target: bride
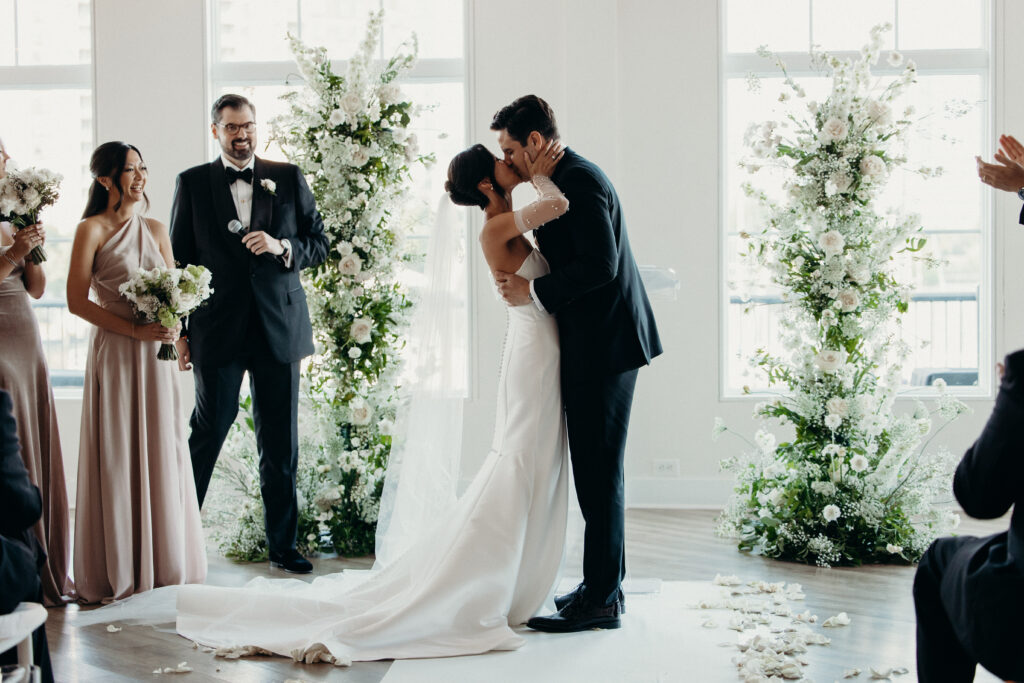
(486, 566)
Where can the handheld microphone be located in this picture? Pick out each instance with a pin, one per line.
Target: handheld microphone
(235, 227)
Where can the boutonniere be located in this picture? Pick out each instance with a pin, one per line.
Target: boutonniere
(270, 186)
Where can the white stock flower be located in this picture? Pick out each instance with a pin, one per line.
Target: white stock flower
(848, 301)
(831, 513)
(833, 130)
(361, 330)
(765, 441)
(858, 463)
(832, 243)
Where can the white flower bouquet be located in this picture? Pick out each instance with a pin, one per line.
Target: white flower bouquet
(23, 194)
(166, 295)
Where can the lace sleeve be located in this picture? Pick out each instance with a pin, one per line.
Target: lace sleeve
(550, 205)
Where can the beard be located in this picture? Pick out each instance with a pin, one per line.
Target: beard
(238, 151)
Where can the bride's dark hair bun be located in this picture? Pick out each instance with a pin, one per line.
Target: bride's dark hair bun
(465, 172)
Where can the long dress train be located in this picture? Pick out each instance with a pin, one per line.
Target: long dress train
(137, 522)
(25, 376)
(486, 567)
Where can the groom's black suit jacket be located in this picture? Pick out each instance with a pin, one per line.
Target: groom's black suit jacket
(202, 209)
(605, 323)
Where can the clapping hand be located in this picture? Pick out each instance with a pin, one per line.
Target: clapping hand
(1008, 173)
(1011, 148)
(546, 160)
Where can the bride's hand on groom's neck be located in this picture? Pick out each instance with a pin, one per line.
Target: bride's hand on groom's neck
(545, 159)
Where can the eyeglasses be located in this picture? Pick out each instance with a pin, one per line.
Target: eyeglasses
(233, 128)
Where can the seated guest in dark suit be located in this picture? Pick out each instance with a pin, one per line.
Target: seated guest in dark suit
(1008, 173)
(969, 592)
(20, 554)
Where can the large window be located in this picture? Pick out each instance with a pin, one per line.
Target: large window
(46, 120)
(948, 321)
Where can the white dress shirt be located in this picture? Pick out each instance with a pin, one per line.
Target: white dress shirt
(241, 194)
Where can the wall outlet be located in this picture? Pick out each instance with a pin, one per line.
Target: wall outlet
(667, 467)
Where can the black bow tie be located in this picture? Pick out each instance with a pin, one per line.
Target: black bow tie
(244, 175)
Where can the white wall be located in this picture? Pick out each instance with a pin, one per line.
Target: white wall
(636, 89)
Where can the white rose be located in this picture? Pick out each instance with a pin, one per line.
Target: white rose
(829, 360)
(350, 265)
(832, 243)
(838, 406)
(361, 412)
(833, 421)
(833, 130)
(776, 497)
(858, 463)
(872, 167)
(355, 352)
(359, 157)
(848, 301)
(831, 513)
(361, 329)
(351, 103)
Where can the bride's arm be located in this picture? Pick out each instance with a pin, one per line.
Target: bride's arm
(550, 205)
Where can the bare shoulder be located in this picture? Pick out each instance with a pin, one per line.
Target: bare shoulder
(90, 229)
(156, 227)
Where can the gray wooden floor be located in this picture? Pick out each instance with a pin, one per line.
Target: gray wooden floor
(673, 545)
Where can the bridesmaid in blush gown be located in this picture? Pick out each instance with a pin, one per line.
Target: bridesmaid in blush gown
(24, 374)
(137, 520)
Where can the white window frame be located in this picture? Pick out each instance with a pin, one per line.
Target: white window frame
(798, 64)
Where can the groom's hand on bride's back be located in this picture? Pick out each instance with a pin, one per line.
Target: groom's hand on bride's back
(512, 288)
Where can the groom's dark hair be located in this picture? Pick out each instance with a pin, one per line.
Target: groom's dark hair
(527, 114)
(234, 102)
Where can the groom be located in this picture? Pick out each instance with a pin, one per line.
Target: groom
(255, 225)
(606, 330)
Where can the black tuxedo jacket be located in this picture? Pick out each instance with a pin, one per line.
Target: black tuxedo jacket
(242, 282)
(20, 508)
(983, 587)
(605, 323)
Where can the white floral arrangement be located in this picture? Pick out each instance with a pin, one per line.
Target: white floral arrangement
(349, 133)
(23, 194)
(166, 295)
(856, 483)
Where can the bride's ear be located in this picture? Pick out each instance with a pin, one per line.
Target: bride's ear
(485, 186)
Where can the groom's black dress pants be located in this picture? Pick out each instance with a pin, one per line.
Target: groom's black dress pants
(597, 418)
(274, 388)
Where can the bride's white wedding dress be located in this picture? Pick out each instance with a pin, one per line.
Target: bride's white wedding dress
(484, 568)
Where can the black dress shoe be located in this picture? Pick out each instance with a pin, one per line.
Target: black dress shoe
(562, 600)
(579, 615)
(291, 561)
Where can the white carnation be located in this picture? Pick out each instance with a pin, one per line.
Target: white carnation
(832, 243)
(848, 301)
(831, 513)
(858, 463)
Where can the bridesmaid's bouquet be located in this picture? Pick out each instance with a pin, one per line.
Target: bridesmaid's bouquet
(166, 295)
(23, 194)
